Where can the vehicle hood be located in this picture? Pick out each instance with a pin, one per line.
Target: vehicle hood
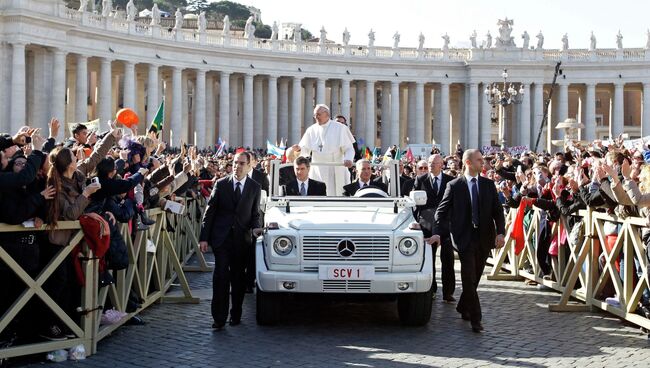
(340, 219)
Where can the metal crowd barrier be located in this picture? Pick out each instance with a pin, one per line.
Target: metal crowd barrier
(150, 276)
(583, 261)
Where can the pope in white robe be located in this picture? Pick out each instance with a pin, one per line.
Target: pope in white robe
(328, 141)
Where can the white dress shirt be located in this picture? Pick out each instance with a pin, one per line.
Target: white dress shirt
(306, 182)
(361, 183)
(242, 182)
(433, 180)
(469, 184)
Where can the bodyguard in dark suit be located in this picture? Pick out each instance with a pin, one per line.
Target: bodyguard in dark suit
(230, 223)
(302, 185)
(364, 180)
(470, 213)
(434, 183)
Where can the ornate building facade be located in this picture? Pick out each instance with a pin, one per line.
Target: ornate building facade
(79, 66)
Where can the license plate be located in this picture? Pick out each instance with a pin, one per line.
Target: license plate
(346, 272)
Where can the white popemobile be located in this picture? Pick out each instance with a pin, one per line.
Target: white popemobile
(367, 244)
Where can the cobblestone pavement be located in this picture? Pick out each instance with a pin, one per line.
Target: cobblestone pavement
(520, 331)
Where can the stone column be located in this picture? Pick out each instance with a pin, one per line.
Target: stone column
(485, 133)
(105, 91)
(320, 91)
(445, 139)
(296, 106)
(199, 109)
(645, 120)
(428, 114)
(419, 113)
(235, 123)
(473, 119)
(617, 126)
(81, 88)
(247, 140)
(129, 86)
(272, 109)
(385, 116)
(224, 106)
(258, 113)
(283, 113)
(309, 103)
(563, 107)
(371, 115)
(18, 87)
(210, 111)
(177, 107)
(410, 116)
(152, 94)
(359, 121)
(394, 113)
(524, 117)
(590, 112)
(335, 103)
(345, 98)
(538, 108)
(58, 90)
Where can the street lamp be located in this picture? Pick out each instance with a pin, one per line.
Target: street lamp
(503, 95)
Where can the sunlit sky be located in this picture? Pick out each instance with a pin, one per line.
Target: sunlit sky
(459, 17)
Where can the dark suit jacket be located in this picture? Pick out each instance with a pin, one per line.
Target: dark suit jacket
(454, 214)
(286, 175)
(222, 215)
(314, 188)
(351, 189)
(426, 214)
(406, 186)
(262, 179)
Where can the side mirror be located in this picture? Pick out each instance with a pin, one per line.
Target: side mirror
(419, 197)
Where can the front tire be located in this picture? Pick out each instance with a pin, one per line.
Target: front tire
(268, 307)
(415, 309)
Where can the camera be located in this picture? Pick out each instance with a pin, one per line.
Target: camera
(94, 180)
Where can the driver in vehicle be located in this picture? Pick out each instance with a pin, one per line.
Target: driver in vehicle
(364, 180)
(302, 185)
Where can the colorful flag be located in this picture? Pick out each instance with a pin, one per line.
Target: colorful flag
(274, 150)
(221, 146)
(157, 122)
(240, 150)
(409, 155)
(367, 154)
(398, 154)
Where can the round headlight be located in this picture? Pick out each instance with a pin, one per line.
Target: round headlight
(283, 245)
(408, 246)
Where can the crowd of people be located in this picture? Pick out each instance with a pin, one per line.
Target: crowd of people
(116, 174)
(119, 174)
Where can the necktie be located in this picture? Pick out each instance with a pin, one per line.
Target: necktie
(237, 192)
(475, 216)
(365, 185)
(434, 186)
(303, 191)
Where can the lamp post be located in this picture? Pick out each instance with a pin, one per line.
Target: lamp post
(503, 95)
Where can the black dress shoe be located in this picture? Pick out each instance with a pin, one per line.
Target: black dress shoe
(448, 299)
(235, 321)
(477, 327)
(218, 326)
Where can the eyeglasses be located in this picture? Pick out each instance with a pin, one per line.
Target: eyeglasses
(422, 168)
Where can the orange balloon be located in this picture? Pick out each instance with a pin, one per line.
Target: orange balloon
(127, 117)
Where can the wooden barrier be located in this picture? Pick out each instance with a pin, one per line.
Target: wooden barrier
(580, 262)
(151, 272)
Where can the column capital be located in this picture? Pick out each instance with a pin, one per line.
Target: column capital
(591, 84)
(19, 44)
(619, 83)
(82, 57)
(646, 84)
(201, 71)
(130, 62)
(105, 60)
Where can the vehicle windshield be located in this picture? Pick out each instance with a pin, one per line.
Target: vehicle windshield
(282, 176)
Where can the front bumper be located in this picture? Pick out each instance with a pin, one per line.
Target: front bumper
(309, 282)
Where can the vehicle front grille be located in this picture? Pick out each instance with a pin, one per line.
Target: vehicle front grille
(325, 248)
(345, 285)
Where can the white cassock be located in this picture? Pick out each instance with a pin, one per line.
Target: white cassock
(330, 142)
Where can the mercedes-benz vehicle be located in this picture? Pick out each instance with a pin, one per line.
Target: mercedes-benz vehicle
(369, 244)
